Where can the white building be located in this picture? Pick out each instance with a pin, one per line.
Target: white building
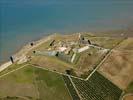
(83, 49)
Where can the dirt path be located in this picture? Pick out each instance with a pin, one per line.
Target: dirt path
(75, 87)
(13, 71)
(104, 59)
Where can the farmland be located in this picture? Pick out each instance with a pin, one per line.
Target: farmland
(118, 68)
(45, 74)
(126, 44)
(71, 88)
(18, 83)
(32, 83)
(97, 88)
(51, 86)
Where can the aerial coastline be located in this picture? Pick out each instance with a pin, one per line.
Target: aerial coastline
(66, 50)
(81, 57)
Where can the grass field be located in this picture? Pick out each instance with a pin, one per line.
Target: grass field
(18, 83)
(105, 42)
(11, 68)
(33, 83)
(51, 63)
(88, 61)
(51, 85)
(15, 98)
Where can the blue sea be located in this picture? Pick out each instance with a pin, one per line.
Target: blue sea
(22, 21)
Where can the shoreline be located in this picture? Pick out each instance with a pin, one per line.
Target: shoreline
(27, 47)
(20, 53)
(110, 33)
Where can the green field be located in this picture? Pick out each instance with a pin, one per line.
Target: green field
(51, 86)
(11, 68)
(33, 83)
(18, 83)
(71, 88)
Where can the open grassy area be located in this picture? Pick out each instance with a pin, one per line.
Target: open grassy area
(51, 63)
(18, 83)
(33, 83)
(12, 67)
(105, 42)
(51, 86)
(88, 61)
(15, 98)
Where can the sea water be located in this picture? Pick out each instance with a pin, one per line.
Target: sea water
(22, 21)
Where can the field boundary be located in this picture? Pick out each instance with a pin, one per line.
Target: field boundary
(67, 88)
(14, 70)
(107, 55)
(36, 66)
(75, 87)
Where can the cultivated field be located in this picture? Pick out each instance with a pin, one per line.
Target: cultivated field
(51, 85)
(126, 45)
(97, 88)
(71, 88)
(118, 68)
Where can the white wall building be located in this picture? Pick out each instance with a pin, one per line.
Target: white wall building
(83, 49)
